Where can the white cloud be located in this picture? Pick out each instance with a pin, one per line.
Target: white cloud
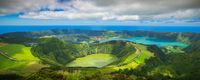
(146, 7)
(104, 9)
(64, 15)
(15, 6)
(181, 14)
(128, 17)
(77, 15)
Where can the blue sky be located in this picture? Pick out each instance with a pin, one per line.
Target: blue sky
(100, 12)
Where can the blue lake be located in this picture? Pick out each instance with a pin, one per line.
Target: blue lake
(153, 41)
(143, 40)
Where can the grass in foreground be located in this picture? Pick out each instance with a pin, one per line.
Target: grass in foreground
(23, 56)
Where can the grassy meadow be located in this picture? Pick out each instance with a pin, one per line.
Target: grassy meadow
(25, 61)
(93, 60)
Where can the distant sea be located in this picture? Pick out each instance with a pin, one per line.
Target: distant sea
(195, 29)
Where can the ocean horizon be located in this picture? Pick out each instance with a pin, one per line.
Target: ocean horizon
(192, 29)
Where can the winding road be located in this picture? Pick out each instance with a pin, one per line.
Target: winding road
(137, 54)
(7, 56)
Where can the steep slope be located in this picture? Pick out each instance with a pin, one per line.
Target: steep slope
(193, 48)
(175, 66)
(187, 65)
(157, 52)
(54, 52)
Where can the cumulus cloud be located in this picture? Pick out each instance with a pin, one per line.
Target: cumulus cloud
(16, 6)
(147, 7)
(103, 9)
(78, 16)
(181, 14)
(64, 15)
(128, 17)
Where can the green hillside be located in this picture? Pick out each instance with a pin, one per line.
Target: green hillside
(175, 66)
(193, 48)
(23, 59)
(59, 53)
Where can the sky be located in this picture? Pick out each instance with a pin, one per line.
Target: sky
(100, 12)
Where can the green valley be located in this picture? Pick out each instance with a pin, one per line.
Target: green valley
(89, 55)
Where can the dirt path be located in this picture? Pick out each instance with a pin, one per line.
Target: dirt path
(138, 53)
(7, 56)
